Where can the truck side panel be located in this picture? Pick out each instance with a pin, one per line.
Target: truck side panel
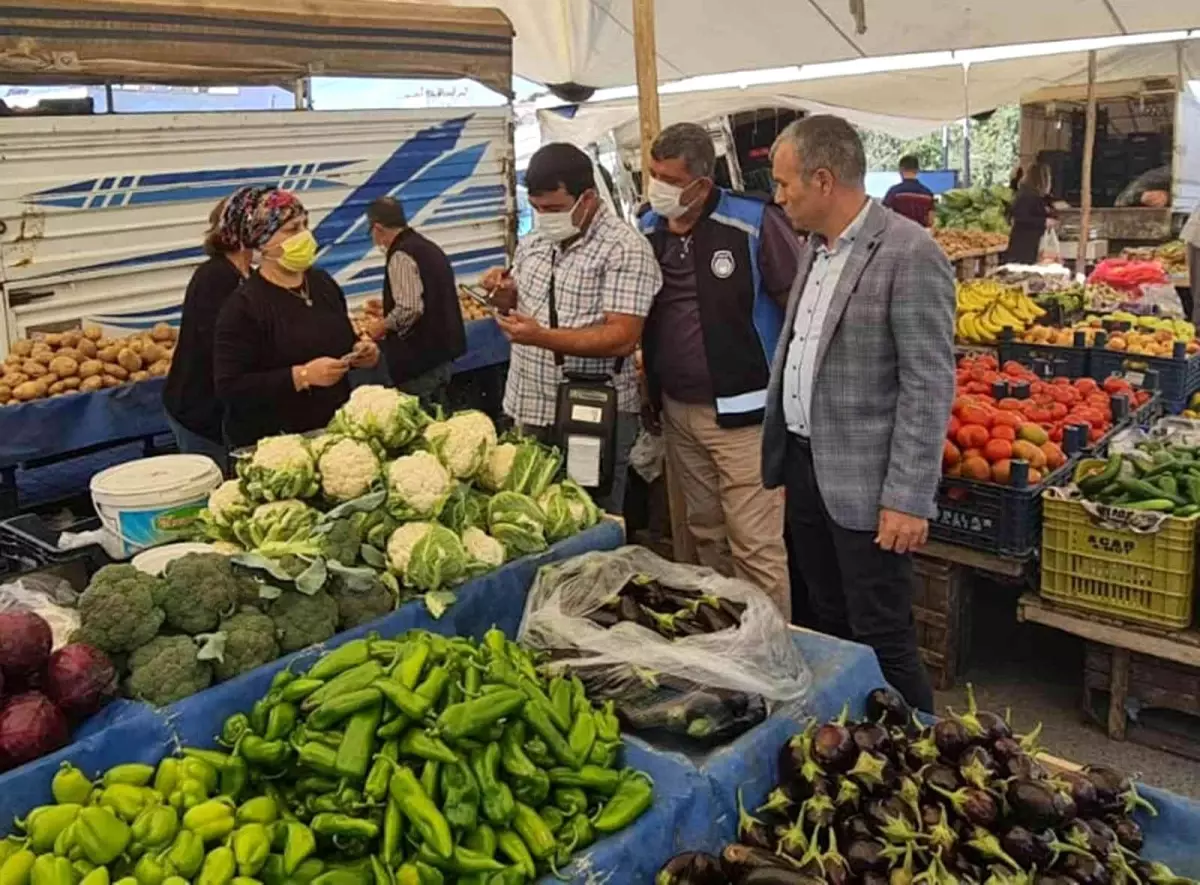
(103, 216)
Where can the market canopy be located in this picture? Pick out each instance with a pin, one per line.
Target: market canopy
(905, 104)
(590, 42)
(247, 41)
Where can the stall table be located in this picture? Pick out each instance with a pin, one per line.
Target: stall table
(1153, 667)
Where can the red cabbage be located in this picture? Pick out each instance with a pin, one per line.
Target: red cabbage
(24, 643)
(80, 679)
(30, 727)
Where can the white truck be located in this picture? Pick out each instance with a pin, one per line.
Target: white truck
(102, 216)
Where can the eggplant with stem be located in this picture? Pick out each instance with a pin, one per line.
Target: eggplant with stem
(752, 831)
(952, 738)
(692, 868)
(886, 707)
(1115, 792)
(779, 801)
(1128, 832)
(893, 820)
(737, 860)
(977, 807)
(1036, 805)
(833, 745)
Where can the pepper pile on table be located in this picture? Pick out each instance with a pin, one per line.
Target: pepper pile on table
(408, 761)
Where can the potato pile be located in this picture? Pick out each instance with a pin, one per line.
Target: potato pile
(82, 360)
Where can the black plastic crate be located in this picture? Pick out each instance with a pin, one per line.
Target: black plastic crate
(1047, 360)
(1177, 379)
(27, 545)
(993, 518)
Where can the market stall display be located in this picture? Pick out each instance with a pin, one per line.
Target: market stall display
(980, 209)
(958, 243)
(985, 308)
(44, 695)
(886, 798)
(423, 771)
(389, 497)
(1172, 256)
(83, 360)
(686, 654)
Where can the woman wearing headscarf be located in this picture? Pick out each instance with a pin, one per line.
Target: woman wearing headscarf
(284, 341)
(193, 411)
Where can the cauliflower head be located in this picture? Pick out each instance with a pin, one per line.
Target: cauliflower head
(463, 442)
(517, 522)
(302, 620)
(201, 589)
(348, 467)
(418, 486)
(249, 642)
(278, 526)
(521, 465)
(483, 548)
(497, 466)
(568, 509)
(166, 670)
(465, 507)
(226, 505)
(121, 609)
(427, 556)
(281, 467)
(384, 414)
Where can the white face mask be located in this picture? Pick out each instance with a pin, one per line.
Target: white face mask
(666, 199)
(557, 226)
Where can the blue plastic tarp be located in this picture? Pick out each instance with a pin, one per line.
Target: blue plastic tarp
(51, 427)
(486, 346)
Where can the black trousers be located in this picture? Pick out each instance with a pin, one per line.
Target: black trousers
(855, 589)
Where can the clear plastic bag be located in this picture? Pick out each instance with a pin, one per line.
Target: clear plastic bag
(707, 687)
(48, 596)
(646, 456)
(1049, 250)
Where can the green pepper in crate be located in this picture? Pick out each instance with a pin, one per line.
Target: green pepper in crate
(425, 816)
(44, 825)
(460, 796)
(632, 797)
(101, 835)
(219, 867)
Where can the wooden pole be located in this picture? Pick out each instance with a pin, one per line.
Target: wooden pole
(645, 53)
(1089, 146)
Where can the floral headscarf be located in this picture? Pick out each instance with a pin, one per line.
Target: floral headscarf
(254, 214)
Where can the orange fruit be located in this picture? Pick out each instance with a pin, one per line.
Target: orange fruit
(1054, 456)
(1002, 472)
(950, 454)
(1032, 433)
(1027, 451)
(972, 436)
(998, 450)
(1004, 431)
(976, 468)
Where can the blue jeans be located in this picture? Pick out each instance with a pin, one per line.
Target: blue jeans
(191, 443)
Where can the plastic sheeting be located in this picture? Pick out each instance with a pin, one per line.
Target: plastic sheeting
(566, 41)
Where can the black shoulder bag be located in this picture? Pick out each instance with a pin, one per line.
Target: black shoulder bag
(585, 418)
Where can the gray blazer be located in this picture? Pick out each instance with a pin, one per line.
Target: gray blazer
(884, 376)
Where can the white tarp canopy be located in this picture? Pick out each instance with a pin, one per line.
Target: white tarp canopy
(906, 103)
(590, 42)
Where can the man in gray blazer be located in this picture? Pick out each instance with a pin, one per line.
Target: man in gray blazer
(861, 389)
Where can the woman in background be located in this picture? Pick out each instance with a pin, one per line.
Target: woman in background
(193, 411)
(1030, 216)
(284, 341)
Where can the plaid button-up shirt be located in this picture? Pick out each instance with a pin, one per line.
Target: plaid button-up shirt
(610, 269)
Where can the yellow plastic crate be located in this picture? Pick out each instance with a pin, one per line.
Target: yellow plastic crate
(1147, 578)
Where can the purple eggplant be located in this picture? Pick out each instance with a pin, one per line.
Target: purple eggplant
(737, 860)
(692, 868)
(792, 839)
(779, 801)
(942, 776)
(921, 750)
(952, 738)
(751, 830)
(778, 876)
(873, 878)
(892, 819)
(977, 767)
(1086, 870)
(866, 856)
(983, 846)
(1115, 791)
(886, 707)
(833, 746)
(872, 771)
(1082, 791)
(872, 737)
(975, 806)
(1034, 804)
(1028, 848)
(1128, 832)
(854, 828)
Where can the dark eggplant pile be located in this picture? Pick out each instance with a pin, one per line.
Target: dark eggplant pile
(671, 612)
(887, 801)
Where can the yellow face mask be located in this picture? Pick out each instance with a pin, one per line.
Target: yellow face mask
(298, 252)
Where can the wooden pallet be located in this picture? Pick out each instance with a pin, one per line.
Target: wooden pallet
(942, 611)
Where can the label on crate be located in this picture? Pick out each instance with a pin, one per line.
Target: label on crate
(966, 522)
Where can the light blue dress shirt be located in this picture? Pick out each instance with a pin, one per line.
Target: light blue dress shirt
(799, 371)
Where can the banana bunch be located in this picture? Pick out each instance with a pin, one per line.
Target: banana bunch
(985, 308)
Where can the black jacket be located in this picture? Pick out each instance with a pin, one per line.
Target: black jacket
(438, 335)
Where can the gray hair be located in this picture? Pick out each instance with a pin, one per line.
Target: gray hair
(826, 142)
(690, 143)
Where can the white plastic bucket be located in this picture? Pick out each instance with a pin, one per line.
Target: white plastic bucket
(152, 501)
(155, 561)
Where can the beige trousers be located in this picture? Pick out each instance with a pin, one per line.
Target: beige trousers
(735, 525)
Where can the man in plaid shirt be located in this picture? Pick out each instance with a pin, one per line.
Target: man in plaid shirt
(605, 276)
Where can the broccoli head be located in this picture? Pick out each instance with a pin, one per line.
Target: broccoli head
(343, 542)
(201, 587)
(166, 669)
(121, 608)
(302, 620)
(358, 606)
(249, 643)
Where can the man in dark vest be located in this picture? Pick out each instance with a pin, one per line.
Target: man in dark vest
(419, 324)
(728, 261)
